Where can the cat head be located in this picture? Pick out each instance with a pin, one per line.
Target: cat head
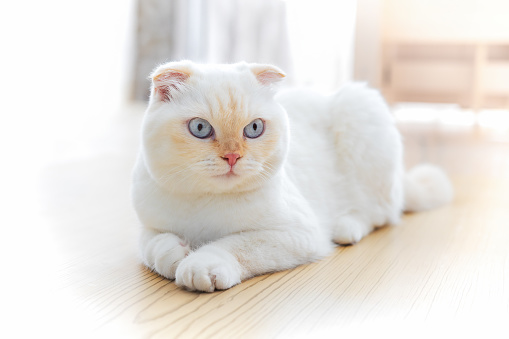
(214, 128)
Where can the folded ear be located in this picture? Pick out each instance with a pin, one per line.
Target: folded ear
(169, 80)
(267, 74)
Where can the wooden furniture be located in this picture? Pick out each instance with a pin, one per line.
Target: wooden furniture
(454, 51)
(473, 74)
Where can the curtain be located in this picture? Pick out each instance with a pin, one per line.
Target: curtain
(311, 41)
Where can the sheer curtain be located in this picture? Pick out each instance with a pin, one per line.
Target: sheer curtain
(322, 39)
(311, 41)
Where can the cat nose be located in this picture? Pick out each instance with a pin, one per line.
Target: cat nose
(231, 158)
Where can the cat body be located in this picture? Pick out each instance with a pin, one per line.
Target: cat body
(234, 181)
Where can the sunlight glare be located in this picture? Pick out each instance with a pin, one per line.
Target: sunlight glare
(495, 119)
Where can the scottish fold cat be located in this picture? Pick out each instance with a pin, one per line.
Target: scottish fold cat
(234, 179)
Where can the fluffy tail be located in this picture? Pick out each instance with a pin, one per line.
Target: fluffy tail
(426, 187)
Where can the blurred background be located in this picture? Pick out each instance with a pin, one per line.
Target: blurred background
(74, 73)
(69, 67)
(74, 86)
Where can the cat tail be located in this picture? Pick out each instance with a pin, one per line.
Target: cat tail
(426, 187)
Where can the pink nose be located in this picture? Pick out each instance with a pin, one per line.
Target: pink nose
(231, 158)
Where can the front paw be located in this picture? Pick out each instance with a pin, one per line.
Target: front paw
(207, 270)
(164, 253)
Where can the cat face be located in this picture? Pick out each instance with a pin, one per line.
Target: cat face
(214, 129)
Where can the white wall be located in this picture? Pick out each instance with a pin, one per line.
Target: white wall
(368, 36)
(467, 20)
(62, 71)
(63, 67)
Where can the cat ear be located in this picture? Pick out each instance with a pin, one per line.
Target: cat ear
(169, 80)
(267, 74)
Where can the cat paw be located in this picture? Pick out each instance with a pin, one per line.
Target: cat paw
(208, 271)
(349, 230)
(166, 251)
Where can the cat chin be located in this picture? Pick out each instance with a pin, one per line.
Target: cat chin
(227, 175)
(232, 183)
(228, 180)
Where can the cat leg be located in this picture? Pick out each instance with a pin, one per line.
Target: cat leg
(162, 252)
(350, 229)
(226, 262)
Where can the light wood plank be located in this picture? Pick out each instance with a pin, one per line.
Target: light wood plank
(447, 267)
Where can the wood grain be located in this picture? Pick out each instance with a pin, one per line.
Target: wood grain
(443, 272)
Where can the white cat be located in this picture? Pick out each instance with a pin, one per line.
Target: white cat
(233, 181)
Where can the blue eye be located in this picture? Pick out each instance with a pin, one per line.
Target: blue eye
(200, 128)
(254, 129)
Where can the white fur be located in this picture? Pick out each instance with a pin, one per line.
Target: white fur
(426, 187)
(335, 173)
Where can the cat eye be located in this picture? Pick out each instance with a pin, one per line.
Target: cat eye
(200, 128)
(254, 129)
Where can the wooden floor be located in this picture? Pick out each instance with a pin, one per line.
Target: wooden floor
(443, 273)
